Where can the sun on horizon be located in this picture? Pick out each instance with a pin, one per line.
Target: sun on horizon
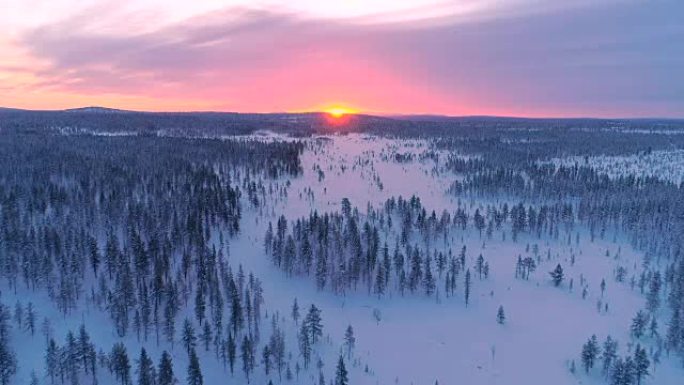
(338, 111)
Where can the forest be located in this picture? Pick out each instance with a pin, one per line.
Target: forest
(157, 249)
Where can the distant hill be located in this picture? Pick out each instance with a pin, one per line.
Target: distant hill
(98, 110)
(95, 119)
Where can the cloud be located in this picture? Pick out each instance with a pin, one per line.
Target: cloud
(614, 58)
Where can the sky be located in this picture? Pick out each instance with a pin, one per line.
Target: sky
(537, 58)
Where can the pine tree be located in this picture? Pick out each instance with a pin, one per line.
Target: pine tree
(428, 278)
(84, 346)
(609, 354)
(200, 303)
(266, 359)
(71, 358)
(165, 370)
(479, 221)
(95, 257)
(277, 348)
(305, 345)
(590, 352)
(30, 322)
(653, 297)
(236, 314)
(52, 360)
(313, 324)
(500, 316)
(639, 324)
(188, 337)
(232, 348)
(619, 374)
(194, 370)
(146, 373)
(349, 341)
(295, 311)
(641, 363)
(341, 375)
(603, 286)
(479, 265)
(247, 355)
(206, 336)
(120, 363)
(557, 275)
(528, 266)
(467, 287)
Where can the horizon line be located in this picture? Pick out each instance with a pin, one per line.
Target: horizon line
(357, 113)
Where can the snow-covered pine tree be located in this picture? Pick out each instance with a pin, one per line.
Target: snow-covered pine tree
(500, 315)
(641, 363)
(145, 370)
(609, 354)
(590, 352)
(165, 374)
(313, 324)
(194, 371)
(639, 323)
(349, 341)
(341, 375)
(467, 287)
(557, 275)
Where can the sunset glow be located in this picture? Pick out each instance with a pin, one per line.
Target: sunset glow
(338, 112)
(474, 57)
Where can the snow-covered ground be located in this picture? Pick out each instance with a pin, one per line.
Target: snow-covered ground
(419, 340)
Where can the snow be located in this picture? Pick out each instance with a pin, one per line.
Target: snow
(418, 340)
(663, 165)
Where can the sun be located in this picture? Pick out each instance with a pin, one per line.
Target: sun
(338, 112)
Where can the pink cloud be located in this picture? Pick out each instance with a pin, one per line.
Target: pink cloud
(578, 62)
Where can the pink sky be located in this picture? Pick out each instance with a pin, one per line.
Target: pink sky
(469, 57)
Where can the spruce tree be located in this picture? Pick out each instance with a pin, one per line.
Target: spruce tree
(349, 341)
(479, 265)
(194, 370)
(146, 373)
(52, 360)
(557, 275)
(639, 324)
(206, 336)
(295, 312)
(341, 375)
(653, 297)
(609, 354)
(231, 346)
(266, 359)
(313, 324)
(188, 337)
(500, 316)
(247, 355)
(467, 287)
(165, 370)
(590, 352)
(305, 345)
(641, 363)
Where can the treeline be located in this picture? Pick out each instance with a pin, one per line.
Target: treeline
(400, 247)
